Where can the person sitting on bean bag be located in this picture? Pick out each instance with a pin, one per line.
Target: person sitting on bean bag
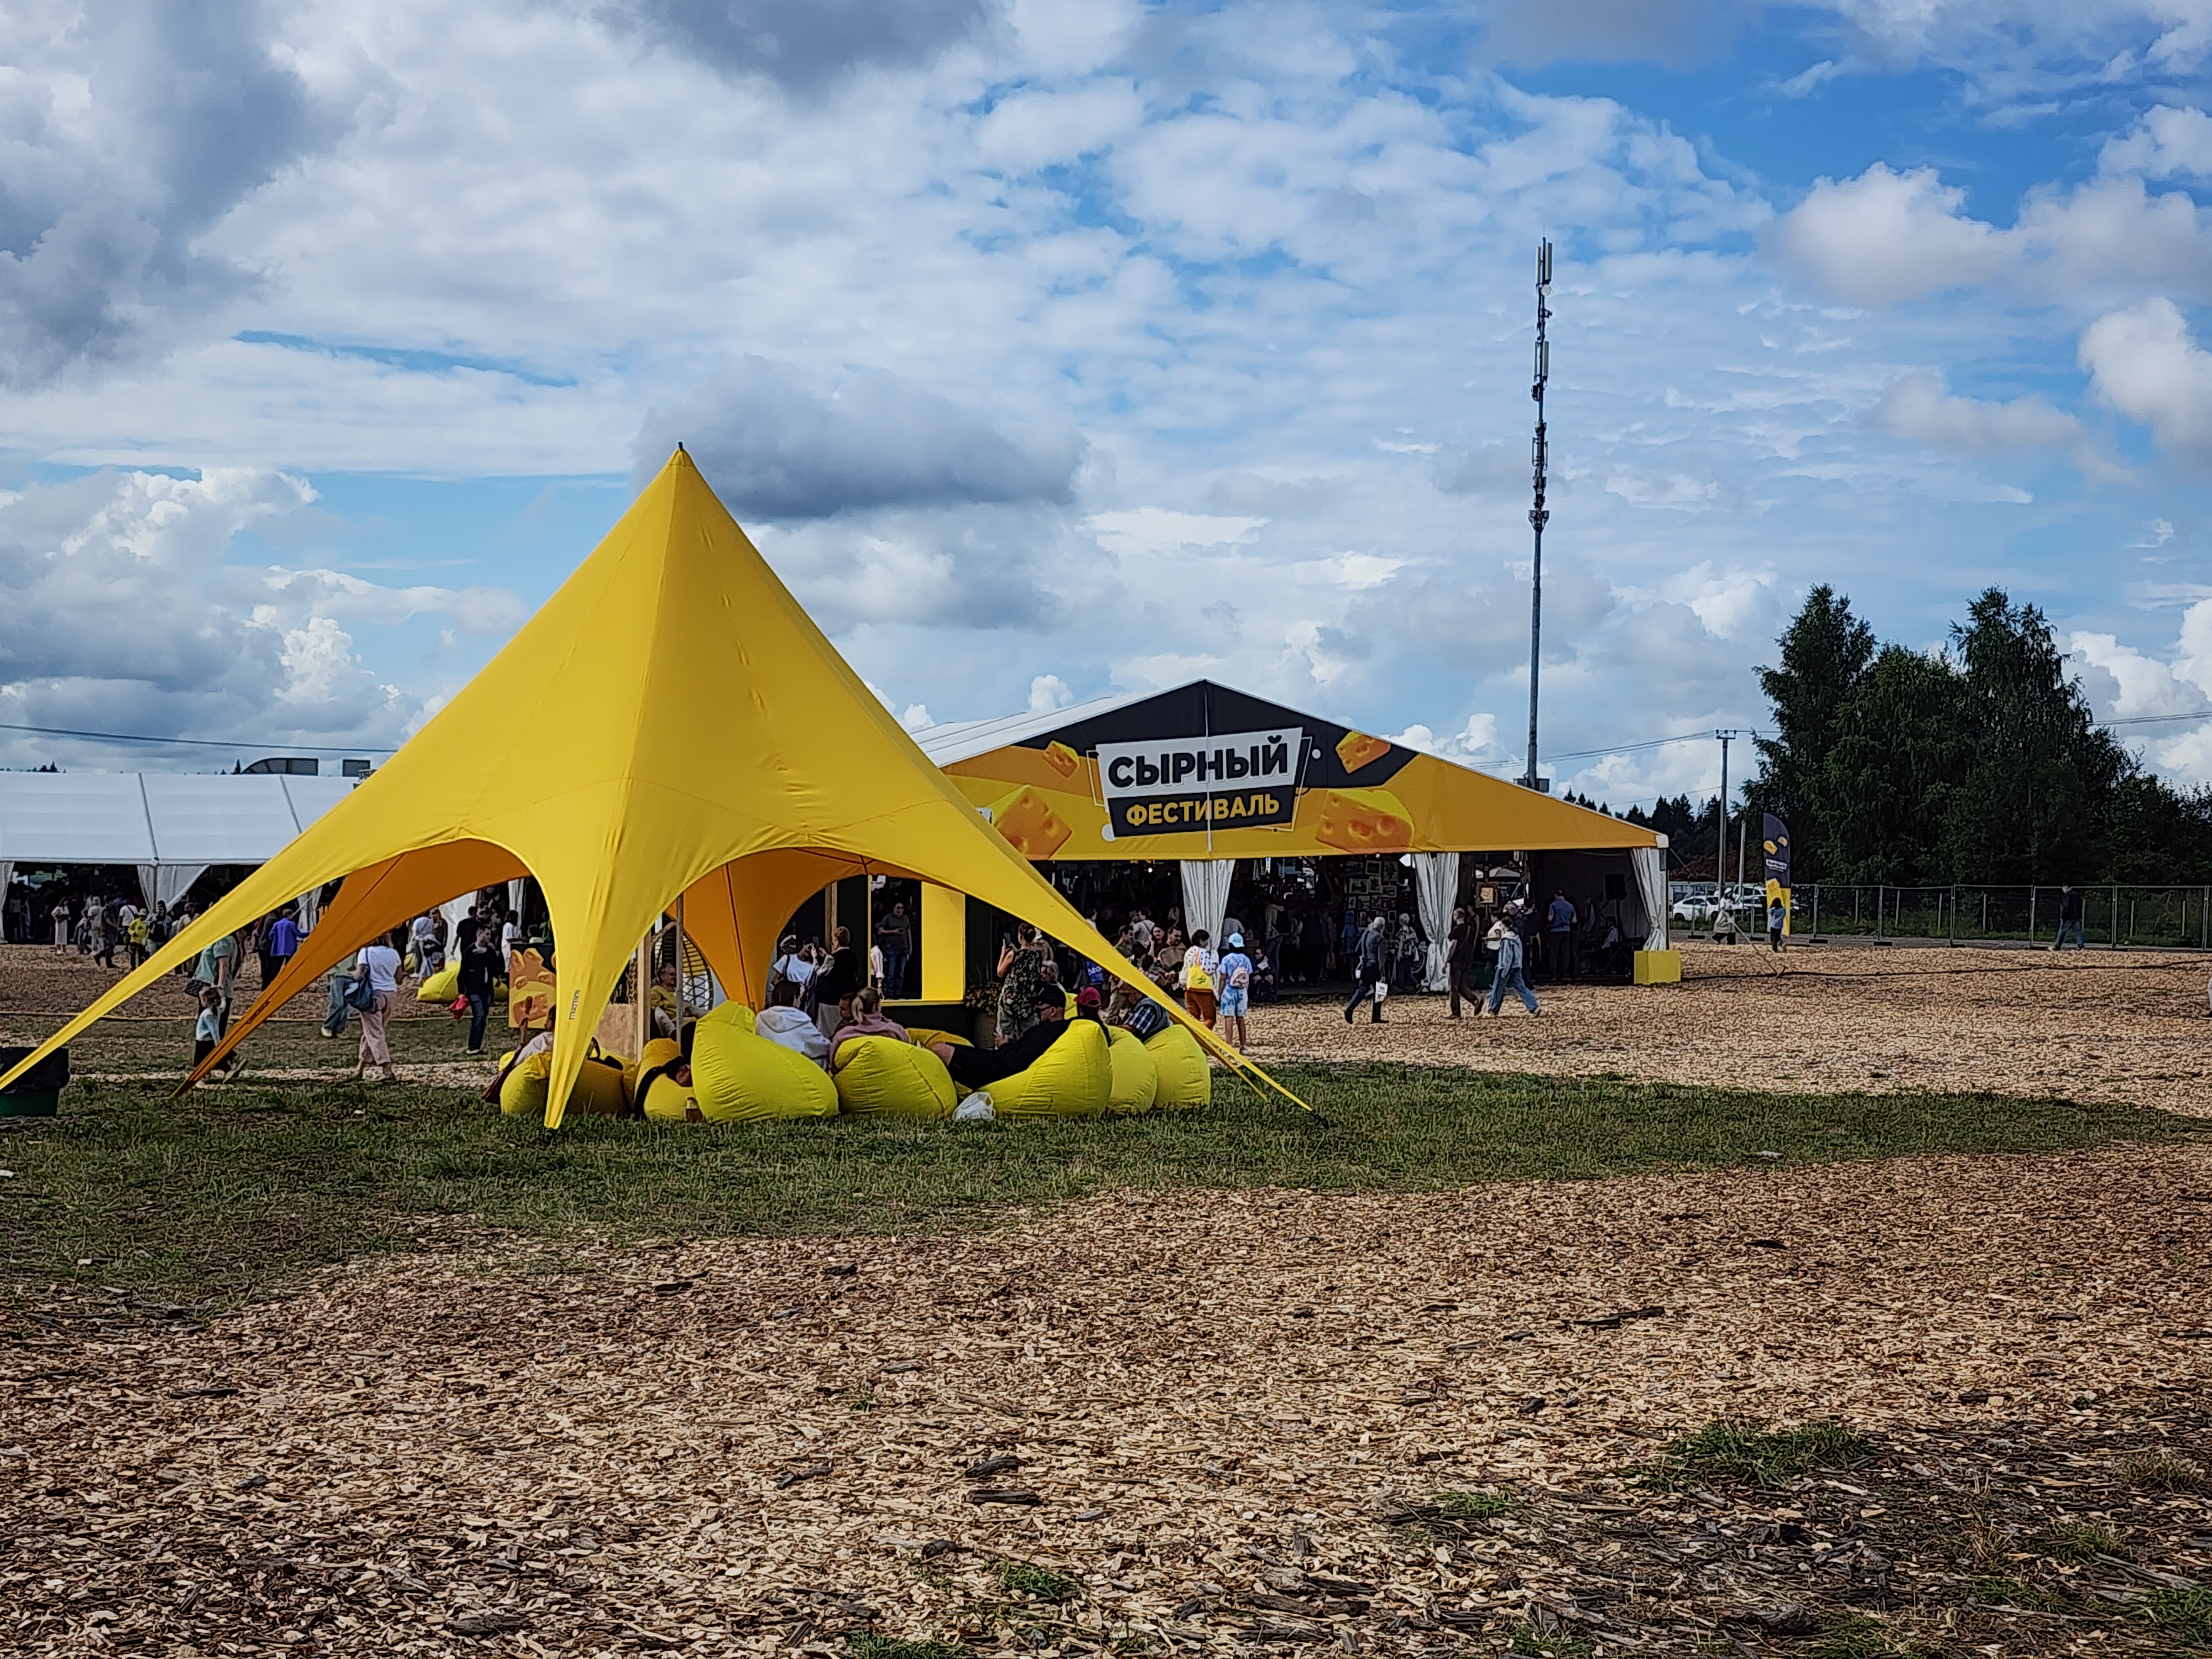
(786, 1022)
(979, 1068)
(867, 1020)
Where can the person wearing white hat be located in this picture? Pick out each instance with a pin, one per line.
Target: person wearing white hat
(1236, 992)
(1510, 959)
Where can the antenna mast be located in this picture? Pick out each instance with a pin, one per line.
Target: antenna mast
(1538, 514)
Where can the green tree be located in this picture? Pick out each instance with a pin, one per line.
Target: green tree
(1826, 654)
(2040, 773)
(1885, 787)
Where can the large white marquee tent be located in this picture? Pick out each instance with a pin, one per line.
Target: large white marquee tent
(171, 826)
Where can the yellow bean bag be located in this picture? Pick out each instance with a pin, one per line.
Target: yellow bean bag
(1074, 1077)
(738, 1078)
(881, 1077)
(736, 1015)
(670, 1102)
(598, 1091)
(922, 1033)
(1136, 1078)
(659, 1051)
(441, 987)
(1186, 1081)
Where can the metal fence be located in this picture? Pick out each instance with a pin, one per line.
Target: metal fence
(2113, 917)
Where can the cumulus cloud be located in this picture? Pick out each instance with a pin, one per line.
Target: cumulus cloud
(2144, 362)
(2168, 141)
(1048, 692)
(1918, 406)
(1474, 743)
(123, 616)
(776, 446)
(131, 129)
(1887, 236)
(805, 45)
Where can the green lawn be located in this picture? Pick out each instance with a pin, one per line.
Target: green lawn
(224, 1193)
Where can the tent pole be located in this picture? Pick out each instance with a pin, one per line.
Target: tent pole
(683, 968)
(641, 997)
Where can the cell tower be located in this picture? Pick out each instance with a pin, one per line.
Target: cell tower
(1539, 515)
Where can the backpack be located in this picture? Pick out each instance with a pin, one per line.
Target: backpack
(1239, 977)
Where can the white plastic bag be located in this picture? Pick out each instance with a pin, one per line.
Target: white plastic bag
(976, 1108)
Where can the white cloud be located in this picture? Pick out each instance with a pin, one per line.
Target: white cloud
(1474, 743)
(1048, 692)
(2166, 141)
(1918, 406)
(916, 718)
(2123, 683)
(2144, 362)
(1161, 530)
(1887, 236)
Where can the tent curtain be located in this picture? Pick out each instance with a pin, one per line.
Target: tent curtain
(164, 884)
(1205, 896)
(1435, 889)
(1651, 888)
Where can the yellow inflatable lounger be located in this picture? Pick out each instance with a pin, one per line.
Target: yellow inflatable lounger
(598, 1089)
(923, 1035)
(659, 1051)
(1186, 1081)
(1136, 1076)
(1074, 1077)
(881, 1077)
(738, 1078)
(441, 987)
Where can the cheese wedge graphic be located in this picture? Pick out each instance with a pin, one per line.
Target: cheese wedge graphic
(1062, 759)
(1029, 824)
(1356, 749)
(1362, 820)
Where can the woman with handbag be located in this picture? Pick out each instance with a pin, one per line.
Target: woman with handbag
(375, 988)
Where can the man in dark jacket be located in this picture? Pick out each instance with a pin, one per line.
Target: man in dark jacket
(1461, 953)
(979, 1068)
(1373, 967)
(2069, 919)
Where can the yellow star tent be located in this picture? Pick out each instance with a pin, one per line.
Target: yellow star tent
(670, 723)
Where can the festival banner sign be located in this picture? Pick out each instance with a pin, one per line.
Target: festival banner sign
(1228, 780)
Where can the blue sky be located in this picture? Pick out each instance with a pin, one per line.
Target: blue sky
(1051, 348)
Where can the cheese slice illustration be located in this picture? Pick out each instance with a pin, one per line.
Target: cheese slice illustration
(1356, 749)
(1029, 824)
(1062, 759)
(1362, 820)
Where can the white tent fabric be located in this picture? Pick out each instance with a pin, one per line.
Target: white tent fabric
(1205, 896)
(1651, 889)
(157, 818)
(164, 884)
(7, 875)
(1436, 888)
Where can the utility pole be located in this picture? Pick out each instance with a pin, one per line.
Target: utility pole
(1720, 836)
(1538, 514)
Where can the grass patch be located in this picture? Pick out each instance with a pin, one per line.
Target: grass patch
(2185, 1613)
(1526, 1638)
(1040, 1583)
(866, 1646)
(1750, 1455)
(220, 1195)
(1856, 1637)
(1475, 1505)
(2159, 1471)
(2075, 1543)
(2019, 1593)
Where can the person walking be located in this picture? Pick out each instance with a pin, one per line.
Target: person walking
(218, 967)
(1559, 920)
(1371, 968)
(1021, 964)
(379, 964)
(2069, 919)
(135, 933)
(1509, 973)
(1777, 918)
(1460, 947)
(895, 934)
(479, 972)
(430, 950)
(96, 939)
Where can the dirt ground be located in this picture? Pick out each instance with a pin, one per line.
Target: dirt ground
(2108, 1026)
(1236, 1421)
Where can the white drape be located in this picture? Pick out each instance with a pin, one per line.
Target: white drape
(164, 884)
(454, 910)
(7, 875)
(1205, 896)
(1435, 889)
(515, 898)
(311, 910)
(1651, 888)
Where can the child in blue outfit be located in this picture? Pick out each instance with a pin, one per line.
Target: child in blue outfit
(208, 1031)
(1235, 990)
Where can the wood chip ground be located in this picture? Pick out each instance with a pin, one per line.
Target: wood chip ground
(1241, 1416)
(2128, 1027)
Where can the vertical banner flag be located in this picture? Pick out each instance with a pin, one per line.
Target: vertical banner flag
(1774, 836)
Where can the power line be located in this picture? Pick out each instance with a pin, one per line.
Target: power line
(195, 743)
